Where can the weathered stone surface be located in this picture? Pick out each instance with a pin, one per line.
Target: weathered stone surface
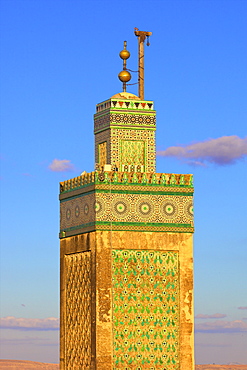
(101, 245)
(136, 227)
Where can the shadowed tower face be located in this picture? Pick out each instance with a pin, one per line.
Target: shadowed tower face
(126, 249)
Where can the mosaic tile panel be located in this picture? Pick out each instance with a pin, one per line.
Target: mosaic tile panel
(133, 119)
(116, 152)
(172, 228)
(145, 309)
(126, 208)
(132, 152)
(101, 122)
(77, 211)
(147, 137)
(128, 126)
(144, 208)
(104, 121)
(78, 311)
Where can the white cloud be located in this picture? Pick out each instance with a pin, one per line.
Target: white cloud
(61, 165)
(222, 151)
(11, 322)
(237, 326)
(242, 308)
(214, 316)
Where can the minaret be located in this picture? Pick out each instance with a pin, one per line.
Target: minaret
(126, 248)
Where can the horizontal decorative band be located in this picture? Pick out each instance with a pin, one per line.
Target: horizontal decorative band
(145, 187)
(145, 128)
(76, 231)
(128, 225)
(82, 226)
(125, 104)
(75, 196)
(133, 127)
(150, 113)
(132, 190)
(148, 191)
(131, 110)
(142, 224)
(125, 227)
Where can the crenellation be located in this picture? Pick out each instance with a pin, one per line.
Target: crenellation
(125, 104)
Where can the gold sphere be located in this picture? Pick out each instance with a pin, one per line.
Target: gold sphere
(124, 76)
(124, 54)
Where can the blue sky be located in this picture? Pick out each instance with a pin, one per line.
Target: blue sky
(58, 60)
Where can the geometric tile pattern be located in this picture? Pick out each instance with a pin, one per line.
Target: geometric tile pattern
(144, 208)
(145, 283)
(78, 311)
(133, 119)
(132, 152)
(77, 211)
(126, 126)
(101, 122)
(116, 150)
(126, 208)
(119, 152)
(104, 121)
(124, 226)
(145, 309)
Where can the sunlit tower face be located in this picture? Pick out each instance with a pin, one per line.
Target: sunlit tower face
(126, 247)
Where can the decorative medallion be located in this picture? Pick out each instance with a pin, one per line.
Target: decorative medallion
(68, 213)
(121, 207)
(86, 209)
(188, 209)
(77, 211)
(144, 208)
(169, 209)
(99, 207)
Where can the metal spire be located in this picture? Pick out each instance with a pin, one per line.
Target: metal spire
(142, 35)
(124, 75)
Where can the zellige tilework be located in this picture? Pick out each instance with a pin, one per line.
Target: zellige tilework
(145, 309)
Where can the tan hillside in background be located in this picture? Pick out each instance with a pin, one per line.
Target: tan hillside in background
(221, 367)
(30, 365)
(26, 365)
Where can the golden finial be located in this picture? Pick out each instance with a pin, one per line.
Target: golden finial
(124, 75)
(124, 54)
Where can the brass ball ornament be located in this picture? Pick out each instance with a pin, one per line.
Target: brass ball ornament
(124, 54)
(124, 76)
